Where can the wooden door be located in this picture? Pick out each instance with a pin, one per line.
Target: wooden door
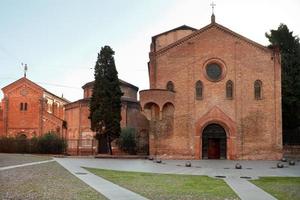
(102, 145)
(213, 148)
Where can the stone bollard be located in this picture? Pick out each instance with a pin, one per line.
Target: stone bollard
(188, 164)
(279, 165)
(283, 159)
(150, 158)
(291, 162)
(238, 166)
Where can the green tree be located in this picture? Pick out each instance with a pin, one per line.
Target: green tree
(127, 140)
(290, 61)
(105, 104)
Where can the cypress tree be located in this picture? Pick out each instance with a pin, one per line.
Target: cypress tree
(105, 104)
(290, 62)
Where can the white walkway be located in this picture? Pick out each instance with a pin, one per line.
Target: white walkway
(246, 190)
(24, 165)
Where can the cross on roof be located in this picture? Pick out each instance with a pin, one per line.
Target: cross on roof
(25, 68)
(212, 6)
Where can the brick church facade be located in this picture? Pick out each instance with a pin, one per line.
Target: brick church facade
(214, 94)
(28, 110)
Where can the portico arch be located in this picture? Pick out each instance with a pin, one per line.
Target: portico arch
(151, 111)
(216, 116)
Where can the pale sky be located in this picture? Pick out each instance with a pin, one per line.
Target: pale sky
(59, 39)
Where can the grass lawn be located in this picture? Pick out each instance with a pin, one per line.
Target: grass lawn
(169, 186)
(280, 187)
(44, 181)
(7, 159)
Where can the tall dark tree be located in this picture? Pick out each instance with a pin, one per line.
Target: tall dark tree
(105, 103)
(290, 61)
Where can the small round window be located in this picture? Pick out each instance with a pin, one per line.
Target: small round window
(214, 71)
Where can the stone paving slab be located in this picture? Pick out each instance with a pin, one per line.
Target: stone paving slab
(24, 165)
(106, 188)
(247, 191)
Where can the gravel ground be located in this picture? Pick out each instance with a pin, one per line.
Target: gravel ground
(43, 181)
(17, 159)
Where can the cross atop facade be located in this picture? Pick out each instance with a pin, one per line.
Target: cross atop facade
(212, 6)
(25, 69)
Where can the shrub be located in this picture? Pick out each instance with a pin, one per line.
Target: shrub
(21, 144)
(51, 143)
(33, 147)
(7, 145)
(127, 141)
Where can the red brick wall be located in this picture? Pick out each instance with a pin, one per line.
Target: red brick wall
(77, 114)
(127, 91)
(1, 120)
(72, 117)
(170, 37)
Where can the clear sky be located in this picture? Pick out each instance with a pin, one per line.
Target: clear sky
(59, 39)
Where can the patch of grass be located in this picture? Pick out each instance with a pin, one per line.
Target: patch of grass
(8, 159)
(280, 187)
(168, 186)
(44, 181)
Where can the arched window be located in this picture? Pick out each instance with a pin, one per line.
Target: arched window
(23, 106)
(258, 89)
(229, 89)
(199, 90)
(170, 86)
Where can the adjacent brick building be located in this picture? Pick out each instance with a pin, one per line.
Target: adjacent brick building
(29, 110)
(79, 133)
(214, 94)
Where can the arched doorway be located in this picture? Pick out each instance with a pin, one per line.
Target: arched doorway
(214, 142)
